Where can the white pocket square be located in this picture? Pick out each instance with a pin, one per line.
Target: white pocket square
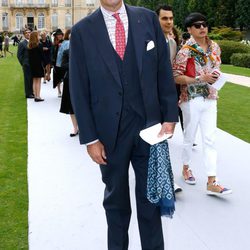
(150, 45)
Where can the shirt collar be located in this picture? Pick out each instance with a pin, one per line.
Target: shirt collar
(192, 41)
(109, 14)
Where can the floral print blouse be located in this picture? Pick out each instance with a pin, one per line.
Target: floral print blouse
(204, 62)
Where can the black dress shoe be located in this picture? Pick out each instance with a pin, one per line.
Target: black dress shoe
(30, 96)
(38, 100)
(74, 134)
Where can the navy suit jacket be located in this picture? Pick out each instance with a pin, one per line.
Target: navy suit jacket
(22, 53)
(95, 84)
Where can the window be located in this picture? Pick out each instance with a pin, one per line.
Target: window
(41, 2)
(19, 21)
(68, 21)
(54, 21)
(5, 21)
(29, 1)
(67, 3)
(41, 21)
(54, 3)
(4, 2)
(90, 2)
(19, 2)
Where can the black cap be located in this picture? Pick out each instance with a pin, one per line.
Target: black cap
(58, 32)
(193, 18)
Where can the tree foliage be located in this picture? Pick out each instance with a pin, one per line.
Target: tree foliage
(230, 13)
(243, 13)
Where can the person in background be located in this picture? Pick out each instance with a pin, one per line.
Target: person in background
(194, 69)
(1, 45)
(185, 37)
(66, 106)
(166, 19)
(63, 46)
(6, 45)
(121, 82)
(46, 43)
(15, 40)
(57, 71)
(36, 61)
(175, 35)
(23, 58)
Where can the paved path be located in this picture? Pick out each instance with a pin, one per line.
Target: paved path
(240, 80)
(65, 191)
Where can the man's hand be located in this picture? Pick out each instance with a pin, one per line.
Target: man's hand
(167, 128)
(97, 153)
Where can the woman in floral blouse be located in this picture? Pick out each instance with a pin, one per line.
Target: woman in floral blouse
(196, 68)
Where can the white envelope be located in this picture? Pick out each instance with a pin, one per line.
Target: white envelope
(150, 135)
(220, 81)
(150, 45)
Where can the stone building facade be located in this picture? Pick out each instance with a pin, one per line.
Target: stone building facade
(43, 14)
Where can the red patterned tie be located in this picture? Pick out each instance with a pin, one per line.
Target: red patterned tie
(120, 39)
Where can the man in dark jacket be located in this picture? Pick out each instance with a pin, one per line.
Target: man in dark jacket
(121, 82)
(22, 55)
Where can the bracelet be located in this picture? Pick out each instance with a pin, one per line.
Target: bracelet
(197, 79)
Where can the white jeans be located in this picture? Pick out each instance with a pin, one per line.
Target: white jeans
(200, 112)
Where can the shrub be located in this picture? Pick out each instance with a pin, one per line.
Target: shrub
(226, 33)
(240, 59)
(230, 47)
(247, 42)
(215, 36)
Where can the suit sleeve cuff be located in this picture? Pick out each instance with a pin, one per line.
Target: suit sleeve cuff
(92, 142)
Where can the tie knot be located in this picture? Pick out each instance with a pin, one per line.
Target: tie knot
(116, 16)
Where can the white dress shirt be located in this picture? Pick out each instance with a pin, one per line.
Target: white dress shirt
(110, 22)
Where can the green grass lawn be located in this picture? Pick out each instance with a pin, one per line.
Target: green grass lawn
(233, 110)
(233, 117)
(230, 69)
(13, 156)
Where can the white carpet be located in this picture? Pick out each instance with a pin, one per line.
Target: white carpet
(66, 192)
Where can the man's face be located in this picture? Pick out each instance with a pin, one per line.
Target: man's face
(59, 37)
(111, 5)
(27, 34)
(166, 21)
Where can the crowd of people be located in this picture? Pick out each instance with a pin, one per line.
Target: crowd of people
(38, 54)
(122, 71)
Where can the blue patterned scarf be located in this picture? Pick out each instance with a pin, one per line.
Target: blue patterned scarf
(160, 182)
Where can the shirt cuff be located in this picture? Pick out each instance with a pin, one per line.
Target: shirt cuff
(92, 142)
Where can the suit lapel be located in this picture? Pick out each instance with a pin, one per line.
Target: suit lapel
(137, 31)
(99, 31)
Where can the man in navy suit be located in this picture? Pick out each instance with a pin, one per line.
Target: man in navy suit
(115, 94)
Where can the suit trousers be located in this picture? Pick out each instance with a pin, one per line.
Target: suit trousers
(28, 81)
(203, 113)
(129, 148)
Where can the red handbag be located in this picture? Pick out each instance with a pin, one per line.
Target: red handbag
(190, 68)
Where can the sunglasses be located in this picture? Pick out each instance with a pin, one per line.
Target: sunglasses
(198, 25)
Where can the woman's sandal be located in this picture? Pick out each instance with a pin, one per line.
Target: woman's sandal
(188, 176)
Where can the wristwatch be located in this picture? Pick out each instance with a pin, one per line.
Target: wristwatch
(197, 79)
